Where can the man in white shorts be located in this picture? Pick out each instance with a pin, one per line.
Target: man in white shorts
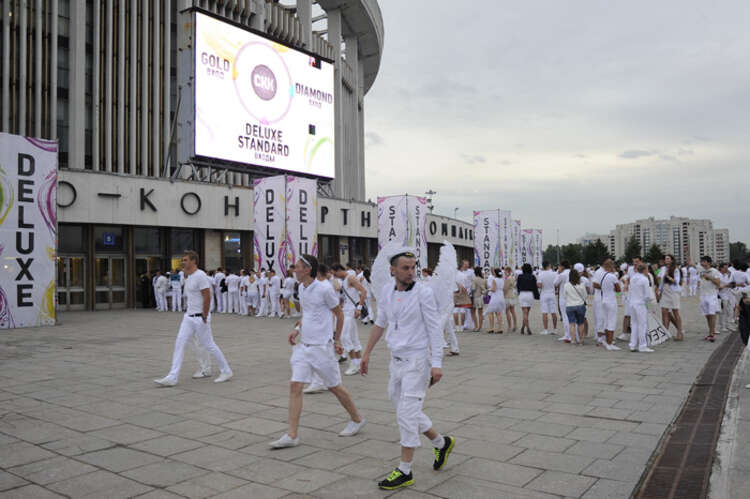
(316, 352)
(195, 322)
(353, 297)
(547, 302)
(606, 286)
(710, 283)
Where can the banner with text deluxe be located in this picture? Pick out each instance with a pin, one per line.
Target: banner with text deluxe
(301, 218)
(269, 215)
(404, 219)
(28, 231)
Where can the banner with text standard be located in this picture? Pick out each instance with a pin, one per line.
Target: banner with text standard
(261, 103)
(270, 223)
(527, 246)
(404, 219)
(487, 247)
(506, 237)
(538, 249)
(516, 243)
(301, 218)
(28, 231)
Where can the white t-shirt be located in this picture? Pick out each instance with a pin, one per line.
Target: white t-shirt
(693, 273)
(289, 283)
(275, 283)
(726, 279)
(741, 279)
(607, 281)
(196, 282)
(351, 291)
(162, 283)
(663, 274)
(639, 292)
(411, 317)
(244, 283)
(262, 284)
(708, 288)
(233, 283)
(560, 280)
(217, 280)
(547, 278)
(317, 300)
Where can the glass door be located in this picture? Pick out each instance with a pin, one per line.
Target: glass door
(110, 282)
(71, 278)
(144, 294)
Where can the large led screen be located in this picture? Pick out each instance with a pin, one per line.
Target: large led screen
(261, 103)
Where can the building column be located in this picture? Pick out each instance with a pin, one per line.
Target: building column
(77, 91)
(334, 38)
(304, 14)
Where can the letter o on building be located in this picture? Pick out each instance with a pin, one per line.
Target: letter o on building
(73, 194)
(433, 228)
(195, 204)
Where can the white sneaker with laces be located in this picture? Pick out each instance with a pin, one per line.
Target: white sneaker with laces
(166, 381)
(645, 350)
(224, 377)
(200, 373)
(353, 369)
(352, 428)
(314, 388)
(623, 337)
(285, 442)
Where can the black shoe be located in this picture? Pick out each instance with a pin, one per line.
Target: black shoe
(441, 455)
(396, 480)
(342, 359)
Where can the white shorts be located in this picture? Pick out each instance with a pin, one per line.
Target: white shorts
(318, 359)
(526, 299)
(548, 303)
(609, 315)
(710, 305)
(286, 294)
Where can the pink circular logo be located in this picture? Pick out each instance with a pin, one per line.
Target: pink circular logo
(264, 82)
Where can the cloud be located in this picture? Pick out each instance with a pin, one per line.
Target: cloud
(372, 139)
(635, 154)
(473, 158)
(668, 157)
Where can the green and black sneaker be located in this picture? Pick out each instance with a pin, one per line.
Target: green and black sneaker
(441, 455)
(396, 480)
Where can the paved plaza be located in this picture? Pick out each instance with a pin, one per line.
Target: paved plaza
(534, 418)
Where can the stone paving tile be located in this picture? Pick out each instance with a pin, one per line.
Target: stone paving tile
(52, 470)
(30, 492)
(8, 481)
(527, 412)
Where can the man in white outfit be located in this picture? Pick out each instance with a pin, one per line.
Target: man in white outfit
(195, 322)
(316, 352)
(162, 288)
(693, 279)
(639, 294)
(218, 295)
(353, 297)
(547, 302)
(263, 291)
(607, 286)
(244, 287)
(726, 297)
(562, 277)
(710, 283)
(630, 272)
(233, 293)
(597, 302)
(175, 281)
(414, 336)
(274, 293)
(155, 278)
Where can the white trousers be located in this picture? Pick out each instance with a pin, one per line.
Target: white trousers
(450, 332)
(213, 300)
(263, 310)
(566, 324)
(693, 288)
(350, 333)
(176, 299)
(219, 296)
(233, 305)
(638, 326)
(195, 327)
(598, 315)
(253, 299)
(726, 314)
(161, 301)
(243, 304)
(201, 354)
(468, 321)
(407, 388)
(275, 304)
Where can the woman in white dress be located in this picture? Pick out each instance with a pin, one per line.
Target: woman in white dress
(496, 307)
(670, 279)
(511, 298)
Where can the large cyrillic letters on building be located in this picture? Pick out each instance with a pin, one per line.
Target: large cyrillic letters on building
(404, 219)
(28, 231)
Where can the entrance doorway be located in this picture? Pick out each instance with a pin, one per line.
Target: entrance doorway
(110, 282)
(145, 265)
(71, 279)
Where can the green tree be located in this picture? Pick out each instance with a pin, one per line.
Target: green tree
(571, 252)
(654, 254)
(738, 251)
(595, 253)
(632, 249)
(550, 254)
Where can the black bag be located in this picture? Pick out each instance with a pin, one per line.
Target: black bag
(363, 311)
(223, 286)
(744, 323)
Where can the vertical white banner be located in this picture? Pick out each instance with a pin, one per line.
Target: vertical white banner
(270, 223)
(404, 219)
(28, 231)
(516, 242)
(538, 248)
(301, 218)
(487, 239)
(506, 237)
(527, 246)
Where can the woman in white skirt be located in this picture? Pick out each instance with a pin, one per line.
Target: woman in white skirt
(527, 292)
(669, 292)
(511, 298)
(496, 307)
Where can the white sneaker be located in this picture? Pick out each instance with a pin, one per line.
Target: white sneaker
(562, 338)
(284, 442)
(224, 377)
(612, 347)
(645, 350)
(314, 388)
(623, 337)
(353, 369)
(166, 381)
(544, 332)
(747, 387)
(200, 373)
(352, 428)
(553, 332)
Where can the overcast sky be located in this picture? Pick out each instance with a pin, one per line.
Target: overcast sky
(576, 115)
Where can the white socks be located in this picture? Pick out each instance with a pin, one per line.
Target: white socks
(439, 442)
(404, 467)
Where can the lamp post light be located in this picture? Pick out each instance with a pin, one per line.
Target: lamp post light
(430, 206)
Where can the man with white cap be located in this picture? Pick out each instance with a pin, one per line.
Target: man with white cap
(315, 352)
(414, 335)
